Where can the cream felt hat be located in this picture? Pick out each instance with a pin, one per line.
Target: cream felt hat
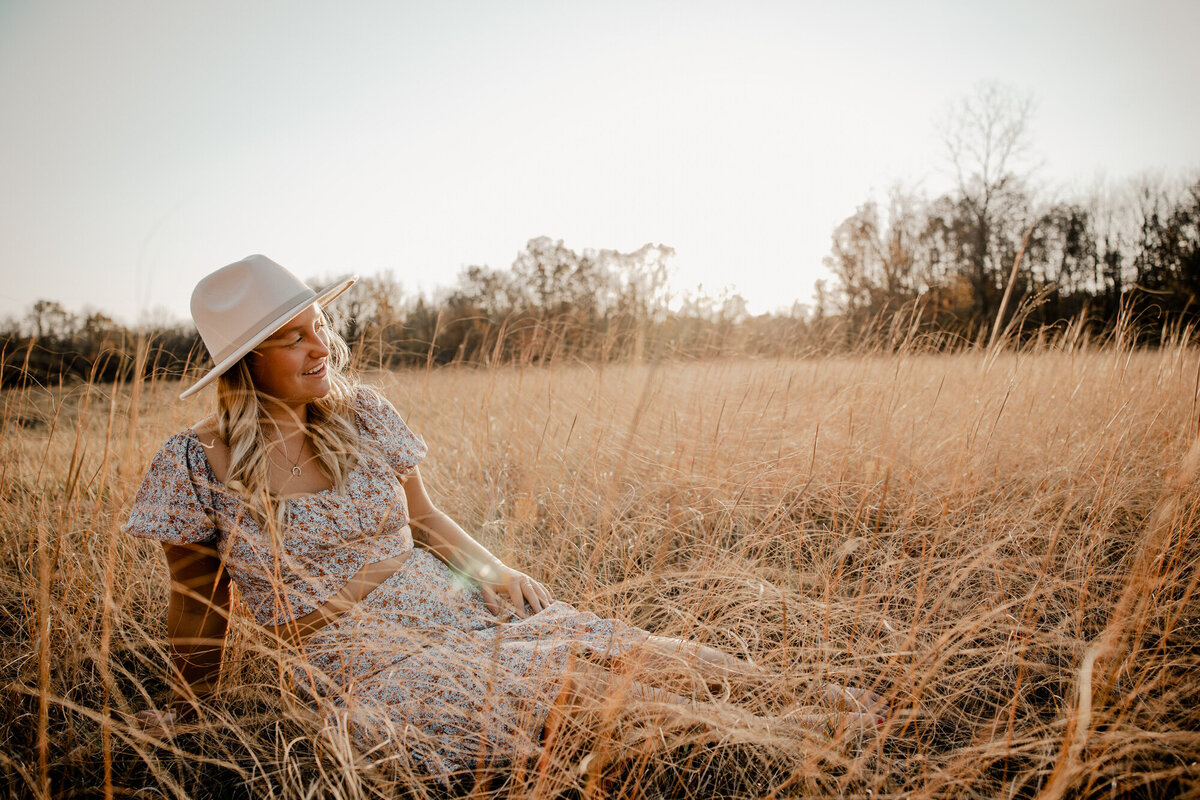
(238, 306)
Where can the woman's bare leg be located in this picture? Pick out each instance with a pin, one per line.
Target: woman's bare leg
(680, 657)
(594, 685)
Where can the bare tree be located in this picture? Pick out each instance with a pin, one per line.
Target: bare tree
(49, 319)
(986, 135)
(875, 254)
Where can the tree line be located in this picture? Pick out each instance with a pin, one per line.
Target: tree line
(1085, 260)
(989, 256)
(949, 263)
(553, 304)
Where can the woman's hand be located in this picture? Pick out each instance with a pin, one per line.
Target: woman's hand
(445, 539)
(517, 587)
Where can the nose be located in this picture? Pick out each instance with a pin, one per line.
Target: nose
(320, 347)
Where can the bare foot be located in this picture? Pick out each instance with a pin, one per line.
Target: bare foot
(845, 698)
(837, 725)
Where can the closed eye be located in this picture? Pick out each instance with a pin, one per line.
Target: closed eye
(320, 326)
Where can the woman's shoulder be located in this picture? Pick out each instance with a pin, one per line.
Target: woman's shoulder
(367, 398)
(181, 443)
(192, 452)
(216, 450)
(205, 430)
(175, 499)
(379, 420)
(373, 408)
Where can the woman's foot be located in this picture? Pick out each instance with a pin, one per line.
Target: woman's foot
(837, 725)
(845, 698)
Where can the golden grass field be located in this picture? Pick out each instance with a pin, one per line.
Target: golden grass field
(1004, 546)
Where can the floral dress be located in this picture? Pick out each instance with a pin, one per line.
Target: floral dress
(420, 669)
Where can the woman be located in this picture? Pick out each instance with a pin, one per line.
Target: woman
(303, 489)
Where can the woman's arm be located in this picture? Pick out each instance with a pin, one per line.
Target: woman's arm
(449, 542)
(197, 618)
(351, 594)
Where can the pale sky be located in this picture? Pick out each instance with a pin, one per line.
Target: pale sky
(145, 144)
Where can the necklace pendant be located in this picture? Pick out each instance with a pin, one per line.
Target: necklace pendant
(296, 470)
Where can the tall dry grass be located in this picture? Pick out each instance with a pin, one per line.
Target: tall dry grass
(1003, 544)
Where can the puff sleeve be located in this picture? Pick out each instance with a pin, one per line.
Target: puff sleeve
(175, 501)
(400, 447)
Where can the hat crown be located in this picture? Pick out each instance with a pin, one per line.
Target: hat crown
(233, 304)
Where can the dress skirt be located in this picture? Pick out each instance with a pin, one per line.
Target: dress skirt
(422, 672)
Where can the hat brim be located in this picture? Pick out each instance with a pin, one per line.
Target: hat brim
(217, 371)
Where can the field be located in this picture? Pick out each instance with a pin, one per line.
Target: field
(1005, 546)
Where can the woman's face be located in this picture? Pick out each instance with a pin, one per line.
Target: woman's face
(292, 364)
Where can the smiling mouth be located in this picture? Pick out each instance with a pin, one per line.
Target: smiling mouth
(314, 372)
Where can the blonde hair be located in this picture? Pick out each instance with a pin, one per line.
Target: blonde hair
(244, 422)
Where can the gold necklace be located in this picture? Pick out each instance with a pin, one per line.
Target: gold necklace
(296, 470)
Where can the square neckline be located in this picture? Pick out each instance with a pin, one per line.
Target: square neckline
(191, 432)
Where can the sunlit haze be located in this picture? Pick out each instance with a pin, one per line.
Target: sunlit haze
(145, 144)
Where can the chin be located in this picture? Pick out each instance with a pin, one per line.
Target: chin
(310, 393)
